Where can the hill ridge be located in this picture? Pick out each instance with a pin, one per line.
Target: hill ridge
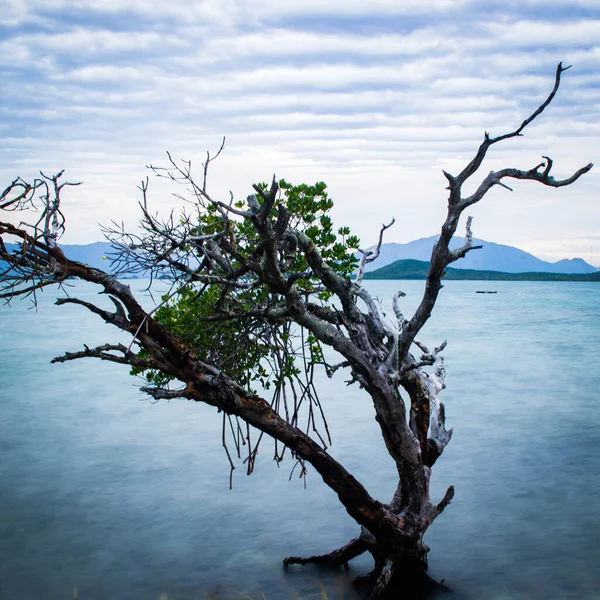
(417, 269)
(492, 257)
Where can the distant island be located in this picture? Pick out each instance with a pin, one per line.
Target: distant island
(495, 262)
(492, 257)
(417, 269)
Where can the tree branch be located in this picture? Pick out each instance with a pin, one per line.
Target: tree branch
(474, 165)
(495, 178)
(368, 256)
(339, 557)
(104, 352)
(441, 255)
(466, 247)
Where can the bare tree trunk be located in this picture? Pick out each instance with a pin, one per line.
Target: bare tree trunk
(398, 570)
(404, 575)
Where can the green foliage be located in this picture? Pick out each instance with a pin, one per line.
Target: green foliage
(251, 349)
(309, 206)
(218, 342)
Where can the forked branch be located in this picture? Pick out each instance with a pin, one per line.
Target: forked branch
(543, 177)
(368, 256)
(441, 255)
(457, 182)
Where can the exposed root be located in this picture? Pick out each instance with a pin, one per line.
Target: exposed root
(399, 580)
(336, 558)
(368, 578)
(393, 576)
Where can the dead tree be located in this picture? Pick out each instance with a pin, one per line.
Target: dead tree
(271, 275)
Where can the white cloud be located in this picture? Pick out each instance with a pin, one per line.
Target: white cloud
(374, 98)
(536, 34)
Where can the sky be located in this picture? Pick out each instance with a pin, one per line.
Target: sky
(374, 98)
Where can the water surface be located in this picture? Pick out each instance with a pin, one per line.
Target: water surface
(104, 491)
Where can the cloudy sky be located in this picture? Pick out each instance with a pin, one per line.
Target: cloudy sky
(375, 98)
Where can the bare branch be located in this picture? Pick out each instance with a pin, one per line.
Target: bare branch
(159, 393)
(435, 383)
(441, 255)
(106, 352)
(444, 502)
(494, 178)
(397, 309)
(118, 318)
(339, 557)
(19, 195)
(559, 71)
(331, 369)
(209, 159)
(371, 254)
(474, 165)
(466, 247)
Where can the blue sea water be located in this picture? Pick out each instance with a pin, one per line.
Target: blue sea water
(106, 495)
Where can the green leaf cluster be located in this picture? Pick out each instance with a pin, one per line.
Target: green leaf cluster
(235, 346)
(252, 350)
(308, 206)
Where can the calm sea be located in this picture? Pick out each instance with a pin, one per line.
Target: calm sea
(105, 495)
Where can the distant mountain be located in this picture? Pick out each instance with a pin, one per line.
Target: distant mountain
(92, 254)
(492, 257)
(417, 269)
(96, 255)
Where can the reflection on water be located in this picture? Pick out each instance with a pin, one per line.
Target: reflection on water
(103, 491)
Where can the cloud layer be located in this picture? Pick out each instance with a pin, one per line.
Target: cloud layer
(373, 98)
